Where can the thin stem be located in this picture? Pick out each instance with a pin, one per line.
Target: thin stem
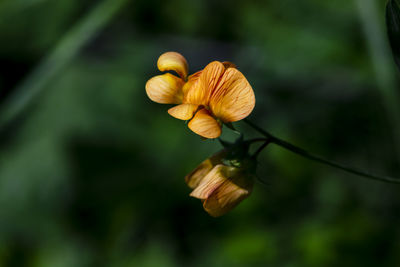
(317, 158)
(267, 141)
(254, 140)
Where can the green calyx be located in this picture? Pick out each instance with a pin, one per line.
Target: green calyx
(238, 154)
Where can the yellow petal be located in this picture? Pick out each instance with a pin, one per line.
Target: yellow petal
(183, 111)
(195, 75)
(205, 125)
(209, 183)
(192, 80)
(194, 178)
(233, 99)
(227, 196)
(208, 79)
(173, 61)
(223, 188)
(165, 89)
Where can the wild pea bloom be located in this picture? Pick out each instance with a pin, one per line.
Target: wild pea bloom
(215, 95)
(219, 186)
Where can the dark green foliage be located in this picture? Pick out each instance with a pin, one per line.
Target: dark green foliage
(92, 174)
(393, 28)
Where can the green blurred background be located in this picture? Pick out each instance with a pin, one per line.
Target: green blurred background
(91, 171)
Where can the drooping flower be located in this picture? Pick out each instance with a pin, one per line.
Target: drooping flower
(215, 95)
(221, 187)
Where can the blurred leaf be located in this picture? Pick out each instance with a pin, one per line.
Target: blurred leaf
(63, 53)
(393, 28)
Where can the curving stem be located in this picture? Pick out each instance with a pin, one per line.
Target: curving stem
(299, 151)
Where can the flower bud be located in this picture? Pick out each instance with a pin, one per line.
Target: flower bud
(223, 188)
(222, 182)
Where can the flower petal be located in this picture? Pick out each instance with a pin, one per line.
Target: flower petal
(223, 188)
(165, 89)
(233, 99)
(227, 196)
(209, 183)
(194, 178)
(236, 186)
(175, 62)
(205, 125)
(208, 79)
(192, 80)
(183, 111)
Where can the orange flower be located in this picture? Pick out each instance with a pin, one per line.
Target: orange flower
(217, 94)
(221, 187)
